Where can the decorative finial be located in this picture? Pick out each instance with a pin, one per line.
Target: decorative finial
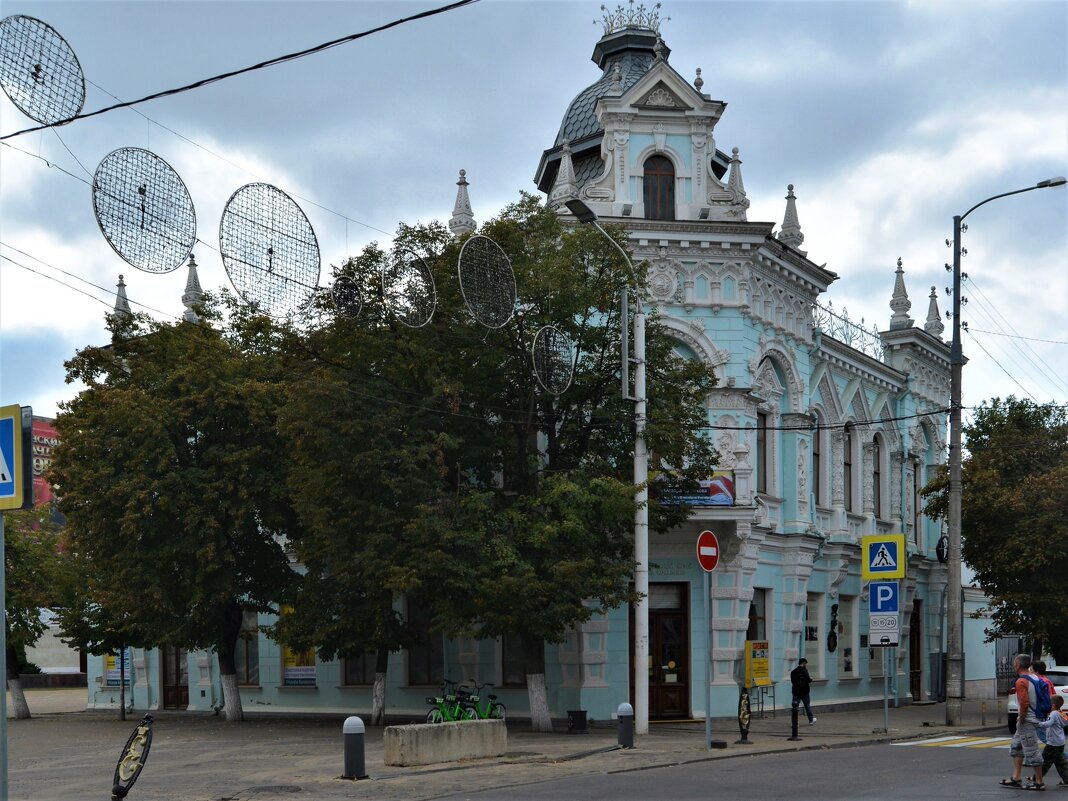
(122, 303)
(565, 187)
(463, 221)
(934, 325)
(698, 82)
(193, 295)
(790, 233)
(900, 302)
(632, 16)
(616, 87)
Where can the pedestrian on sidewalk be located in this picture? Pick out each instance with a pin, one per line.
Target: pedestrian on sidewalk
(1024, 749)
(1053, 753)
(1038, 670)
(800, 685)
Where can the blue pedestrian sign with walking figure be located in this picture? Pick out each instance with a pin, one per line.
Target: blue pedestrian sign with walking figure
(12, 478)
(883, 557)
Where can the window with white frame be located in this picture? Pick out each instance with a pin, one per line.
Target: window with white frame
(847, 661)
(814, 634)
(758, 616)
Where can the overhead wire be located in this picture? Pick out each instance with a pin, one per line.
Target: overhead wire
(262, 65)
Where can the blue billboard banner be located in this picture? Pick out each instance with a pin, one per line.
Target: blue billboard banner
(715, 491)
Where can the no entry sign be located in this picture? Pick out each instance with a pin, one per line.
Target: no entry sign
(707, 551)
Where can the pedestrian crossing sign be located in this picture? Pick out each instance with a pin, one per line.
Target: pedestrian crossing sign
(883, 557)
(12, 480)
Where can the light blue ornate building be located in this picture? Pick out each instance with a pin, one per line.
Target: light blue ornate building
(828, 431)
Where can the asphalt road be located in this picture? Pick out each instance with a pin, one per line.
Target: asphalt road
(872, 773)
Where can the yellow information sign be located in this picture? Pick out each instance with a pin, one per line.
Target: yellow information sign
(757, 663)
(882, 557)
(13, 482)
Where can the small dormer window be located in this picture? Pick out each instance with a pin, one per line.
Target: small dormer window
(659, 189)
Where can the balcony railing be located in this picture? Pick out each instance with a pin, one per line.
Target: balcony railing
(838, 326)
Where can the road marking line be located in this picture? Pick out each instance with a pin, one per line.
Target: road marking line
(932, 740)
(982, 742)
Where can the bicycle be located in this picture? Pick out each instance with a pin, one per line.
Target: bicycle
(493, 709)
(450, 707)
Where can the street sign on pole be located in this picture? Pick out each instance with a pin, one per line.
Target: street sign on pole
(882, 557)
(883, 597)
(707, 551)
(13, 480)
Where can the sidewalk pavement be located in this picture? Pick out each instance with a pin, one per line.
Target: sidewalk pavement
(61, 753)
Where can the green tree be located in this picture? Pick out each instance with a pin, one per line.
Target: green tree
(542, 518)
(364, 410)
(170, 476)
(36, 571)
(1014, 527)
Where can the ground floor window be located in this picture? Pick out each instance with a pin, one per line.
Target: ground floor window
(847, 662)
(426, 660)
(758, 616)
(298, 667)
(513, 666)
(359, 670)
(247, 651)
(813, 634)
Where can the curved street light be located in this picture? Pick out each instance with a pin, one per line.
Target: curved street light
(584, 214)
(954, 602)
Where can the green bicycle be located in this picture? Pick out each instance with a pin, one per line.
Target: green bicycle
(492, 710)
(450, 706)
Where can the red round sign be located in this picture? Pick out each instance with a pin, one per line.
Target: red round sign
(707, 551)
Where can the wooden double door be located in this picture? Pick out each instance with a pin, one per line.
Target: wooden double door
(669, 651)
(175, 677)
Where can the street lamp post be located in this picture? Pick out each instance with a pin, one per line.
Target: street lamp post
(954, 605)
(585, 214)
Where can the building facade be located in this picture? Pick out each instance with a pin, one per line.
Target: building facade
(826, 433)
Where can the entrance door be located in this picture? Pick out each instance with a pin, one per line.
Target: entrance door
(916, 651)
(669, 650)
(175, 678)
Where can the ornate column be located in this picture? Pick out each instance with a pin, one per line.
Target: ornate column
(836, 468)
(867, 470)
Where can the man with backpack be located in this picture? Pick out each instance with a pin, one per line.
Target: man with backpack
(1035, 703)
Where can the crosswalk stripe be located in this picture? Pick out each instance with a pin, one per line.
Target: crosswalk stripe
(960, 741)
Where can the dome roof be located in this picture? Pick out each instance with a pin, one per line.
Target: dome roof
(634, 50)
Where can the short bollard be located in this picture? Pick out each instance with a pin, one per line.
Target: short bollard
(354, 764)
(625, 736)
(793, 723)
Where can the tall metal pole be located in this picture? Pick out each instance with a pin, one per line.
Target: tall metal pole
(3, 664)
(954, 600)
(955, 630)
(708, 666)
(641, 531)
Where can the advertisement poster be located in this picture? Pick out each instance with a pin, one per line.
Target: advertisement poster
(718, 490)
(298, 667)
(44, 441)
(111, 669)
(757, 663)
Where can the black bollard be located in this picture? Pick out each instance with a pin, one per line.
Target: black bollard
(793, 723)
(625, 735)
(744, 716)
(353, 730)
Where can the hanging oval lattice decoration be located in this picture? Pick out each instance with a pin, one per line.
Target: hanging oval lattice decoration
(269, 249)
(487, 281)
(554, 359)
(144, 210)
(346, 297)
(39, 71)
(408, 288)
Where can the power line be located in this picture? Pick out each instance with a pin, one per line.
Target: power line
(1018, 336)
(1006, 372)
(263, 64)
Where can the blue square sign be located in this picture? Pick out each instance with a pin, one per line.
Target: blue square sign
(883, 597)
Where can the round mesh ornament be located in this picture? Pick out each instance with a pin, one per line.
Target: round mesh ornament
(487, 281)
(269, 249)
(554, 359)
(409, 290)
(39, 71)
(144, 210)
(346, 296)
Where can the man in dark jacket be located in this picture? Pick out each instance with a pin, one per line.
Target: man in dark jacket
(800, 682)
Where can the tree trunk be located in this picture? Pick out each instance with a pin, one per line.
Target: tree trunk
(14, 686)
(227, 668)
(534, 661)
(378, 695)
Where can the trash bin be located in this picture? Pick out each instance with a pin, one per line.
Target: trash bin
(576, 721)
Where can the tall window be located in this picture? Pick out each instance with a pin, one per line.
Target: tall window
(847, 468)
(847, 663)
(917, 507)
(426, 661)
(817, 466)
(758, 616)
(876, 477)
(762, 452)
(659, 189)
(247, 652)
(513, 666)
(813, 632)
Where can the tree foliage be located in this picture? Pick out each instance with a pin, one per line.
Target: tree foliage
(169, 473)
(1014, 526)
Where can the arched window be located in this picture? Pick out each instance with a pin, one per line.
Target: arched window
(817, 463)
(659, 188)
(876, 478)
(847, 468)
(762, 452)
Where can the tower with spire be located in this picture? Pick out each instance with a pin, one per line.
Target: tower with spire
(462, 220)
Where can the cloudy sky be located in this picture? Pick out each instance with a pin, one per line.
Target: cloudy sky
(888, 118)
